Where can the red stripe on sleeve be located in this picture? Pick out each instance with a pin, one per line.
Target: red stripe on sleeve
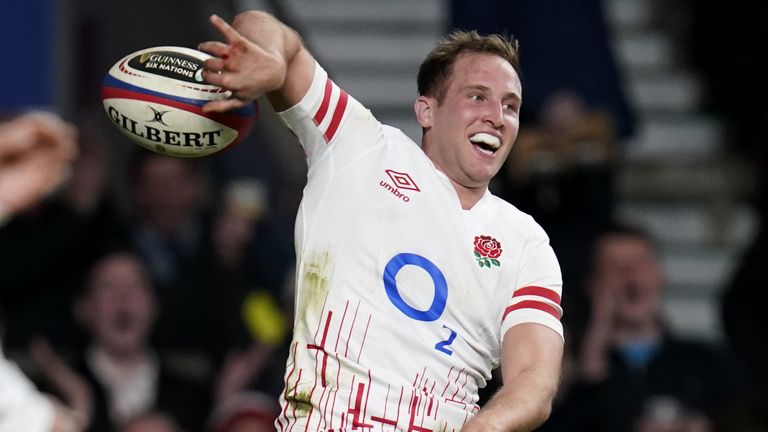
(538, 291)
(533, 304)
(338, 113)
(320, 114)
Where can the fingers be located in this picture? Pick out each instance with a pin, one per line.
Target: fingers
(223, 105)
(230, 34)
(215, 48)
(213, 66)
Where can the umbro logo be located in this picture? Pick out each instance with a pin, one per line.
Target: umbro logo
(400, 181)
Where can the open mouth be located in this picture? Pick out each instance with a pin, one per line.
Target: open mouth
(485, 142)
(634, 293)
(124, 321)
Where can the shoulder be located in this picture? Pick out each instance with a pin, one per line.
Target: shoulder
(395, 136)
(517, 220)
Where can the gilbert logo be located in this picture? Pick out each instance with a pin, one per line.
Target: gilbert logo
(400, 181)
(158, 116)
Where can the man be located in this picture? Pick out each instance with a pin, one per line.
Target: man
(36, 151)
(118, 308)
(637, 375)
(413, 281)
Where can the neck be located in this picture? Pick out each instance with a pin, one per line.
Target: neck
(468, 196)
(125, 359)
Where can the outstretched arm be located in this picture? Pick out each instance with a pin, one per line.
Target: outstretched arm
(260, 55)
(531, 356)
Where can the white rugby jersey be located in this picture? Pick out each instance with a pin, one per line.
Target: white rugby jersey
(402, 297)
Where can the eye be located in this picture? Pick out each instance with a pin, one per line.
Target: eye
(476, 97)
(510, 107)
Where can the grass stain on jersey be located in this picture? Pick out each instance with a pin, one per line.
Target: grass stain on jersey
(299, 402)
(316, 280)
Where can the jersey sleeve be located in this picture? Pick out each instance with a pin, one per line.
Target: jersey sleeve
(328, 120)
(22, 407)
(536, 298)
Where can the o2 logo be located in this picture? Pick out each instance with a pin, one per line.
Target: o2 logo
(440, 296)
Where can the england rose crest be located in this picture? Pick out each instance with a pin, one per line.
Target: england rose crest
(487, 251)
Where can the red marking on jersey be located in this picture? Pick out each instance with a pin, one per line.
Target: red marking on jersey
(423, 377)
(538, 291)
(321, 348)
(453, 396)
(448, 381)
(411, 425)
(323, 395)
(365, 335)
(383, 418)
(336, 390)
(338, 113)
(295, 392)
(431, 398)
(320, 114)
(338, 335)
(356, 411)
(533, 304)
(464, 387)
(367, 395)
(287, 378)
(459, 387)
(349, 336)
(317, 330)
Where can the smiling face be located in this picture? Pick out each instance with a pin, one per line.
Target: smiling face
(118, 306)
(629, 271)
(469, 133)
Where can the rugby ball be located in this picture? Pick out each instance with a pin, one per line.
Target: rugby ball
(155, 97)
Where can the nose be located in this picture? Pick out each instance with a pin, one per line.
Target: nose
(494, 115)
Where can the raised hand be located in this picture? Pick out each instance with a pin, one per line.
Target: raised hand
(244, 67)
(36, 150)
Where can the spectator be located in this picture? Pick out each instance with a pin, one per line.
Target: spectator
(635, 374)
(126, 376)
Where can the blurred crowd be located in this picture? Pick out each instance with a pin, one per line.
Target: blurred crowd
(154, 294)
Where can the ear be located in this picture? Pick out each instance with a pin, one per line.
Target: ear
(423, 107)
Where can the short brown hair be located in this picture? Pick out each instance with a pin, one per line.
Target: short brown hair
(437, 67)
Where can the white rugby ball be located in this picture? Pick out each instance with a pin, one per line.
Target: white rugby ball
(155, 97)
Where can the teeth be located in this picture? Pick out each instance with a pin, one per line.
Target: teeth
(487, 139)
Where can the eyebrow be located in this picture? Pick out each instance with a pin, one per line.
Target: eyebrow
(484, 88)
